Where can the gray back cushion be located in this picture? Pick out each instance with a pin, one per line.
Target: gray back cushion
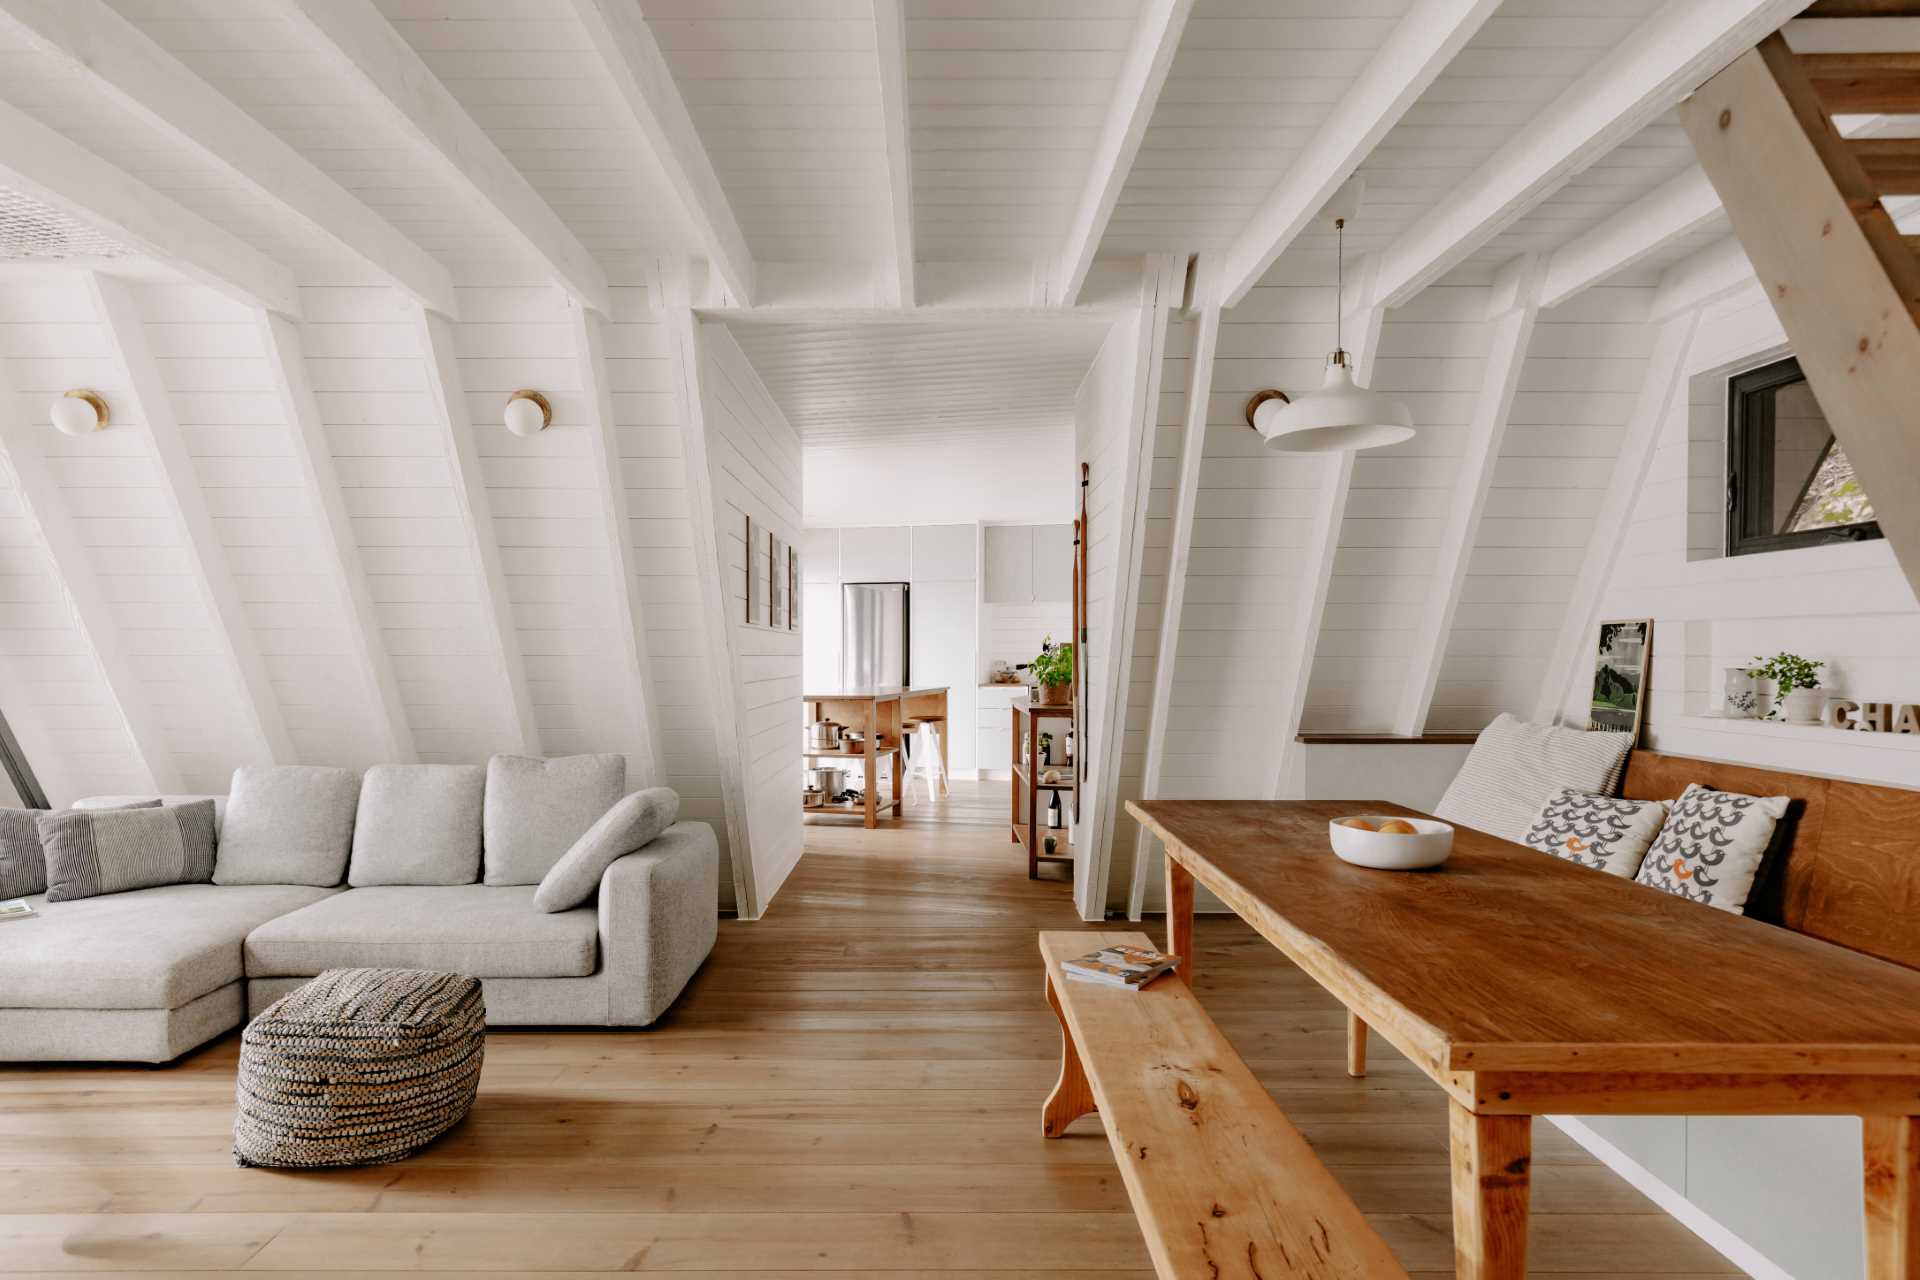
(111, 851)
(536, 809)
(418, 824)
(632, 823)
(288, 824)
(1516, 767)
(23, 865)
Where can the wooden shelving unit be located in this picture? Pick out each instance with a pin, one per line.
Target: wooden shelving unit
(1027, 788)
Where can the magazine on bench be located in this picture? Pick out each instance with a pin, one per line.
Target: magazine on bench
(1130, 967)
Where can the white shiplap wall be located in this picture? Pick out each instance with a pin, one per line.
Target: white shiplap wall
(754, 459)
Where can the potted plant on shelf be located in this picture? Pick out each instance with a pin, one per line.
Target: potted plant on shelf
(1796, 687)
(1053, 673)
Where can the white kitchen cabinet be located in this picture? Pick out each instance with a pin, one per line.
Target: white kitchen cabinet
(876, 555)
(1009, 565)
(1053, 563)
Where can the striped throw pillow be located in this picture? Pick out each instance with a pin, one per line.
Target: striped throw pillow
(1516, 767)
(23, 865)
(92, 852)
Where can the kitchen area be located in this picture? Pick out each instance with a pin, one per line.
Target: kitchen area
(928, 644)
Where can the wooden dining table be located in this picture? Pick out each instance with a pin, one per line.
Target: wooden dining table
(1525, 985)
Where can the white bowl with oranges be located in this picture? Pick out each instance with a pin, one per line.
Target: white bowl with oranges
(1388, 842)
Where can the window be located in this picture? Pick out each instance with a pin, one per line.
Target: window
(17, 783)
(1789, 483)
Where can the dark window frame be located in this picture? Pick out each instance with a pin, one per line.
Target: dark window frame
(19, 772)
(1750, 443)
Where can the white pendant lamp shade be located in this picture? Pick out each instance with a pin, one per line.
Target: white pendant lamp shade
(1340, 414)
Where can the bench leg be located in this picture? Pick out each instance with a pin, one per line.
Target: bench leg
(1492, 1159)
(1072, 1097)
(1356, 1046)
(1180, 918)
(1893, 1197)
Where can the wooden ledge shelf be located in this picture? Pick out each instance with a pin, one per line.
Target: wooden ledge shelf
(1386, 740)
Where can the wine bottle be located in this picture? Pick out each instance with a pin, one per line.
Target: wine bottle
(1053, 813)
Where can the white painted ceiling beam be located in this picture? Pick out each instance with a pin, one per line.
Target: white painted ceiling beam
(634, 708)
(626, 47)
(365, 45)
(1664, 58)
(72, 563)
(47, 166)
(475, 514)
(1156, 37)
(1193, 448)
(1715, 271)
(121, 62)
(1413, 55)
(339, 556)
(259, 711)
(1676, 208)
(1512, 332)
(890, 44)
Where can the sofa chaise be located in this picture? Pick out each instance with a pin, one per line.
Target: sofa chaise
(417, 866)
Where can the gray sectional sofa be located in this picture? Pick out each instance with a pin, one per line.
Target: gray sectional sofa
(432, 867)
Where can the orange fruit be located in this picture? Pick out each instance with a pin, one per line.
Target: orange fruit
(1358, 824)
(1394, 826)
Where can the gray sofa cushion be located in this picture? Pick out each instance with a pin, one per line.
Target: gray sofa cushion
(470, 928)
(631, 823)
(536, 809)
(112, 851)
(146, 949)
(418, 824)
(23, 863)
(288, 824)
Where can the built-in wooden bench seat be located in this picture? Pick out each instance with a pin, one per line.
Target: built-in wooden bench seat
(1224, 1186)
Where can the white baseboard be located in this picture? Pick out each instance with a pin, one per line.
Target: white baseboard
(1686, 1212)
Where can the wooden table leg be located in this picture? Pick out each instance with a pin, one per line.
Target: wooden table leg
(1072, 1096)
(1893, 1196)
(1356, 1045)
(1492, 1159)
(1180, 917)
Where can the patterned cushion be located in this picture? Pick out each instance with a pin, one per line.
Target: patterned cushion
(112, 850)
(23, 864)
(1711, 846)
(1516, 767)
(1597, 831)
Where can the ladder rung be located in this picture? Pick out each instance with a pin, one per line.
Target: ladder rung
(1863, 83)
(1892, 164)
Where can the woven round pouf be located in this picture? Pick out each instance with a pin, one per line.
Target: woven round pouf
(359, 1066)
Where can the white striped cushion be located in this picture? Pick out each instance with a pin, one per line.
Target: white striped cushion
(1516, 767)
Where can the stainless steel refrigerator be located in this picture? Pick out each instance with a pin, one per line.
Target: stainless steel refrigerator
(873, 635)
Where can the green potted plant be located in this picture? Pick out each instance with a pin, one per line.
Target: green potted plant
(1796, 685)
(1053, 673)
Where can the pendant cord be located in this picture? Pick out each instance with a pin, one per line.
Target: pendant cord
(1340, 283)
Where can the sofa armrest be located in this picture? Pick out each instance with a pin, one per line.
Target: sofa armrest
(659, 916)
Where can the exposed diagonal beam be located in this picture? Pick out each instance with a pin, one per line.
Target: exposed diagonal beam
(121, 62)
(1519, 294)
(522, 734)
(619, 35)
(1676, 208)
(340, 553)
(1413, 55)
(1662, 59)
(72, 564)
(47, 166)
(1664, 383)
(1156, 37)
(364, 44)
(1193, 448)
(890, 43)
(207, 555)
(635, 709)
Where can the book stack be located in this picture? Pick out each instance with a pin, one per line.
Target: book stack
(16, 909)
(1129, 967)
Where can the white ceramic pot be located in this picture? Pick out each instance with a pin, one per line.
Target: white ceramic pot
(1427, 846)
(1803, 706)
(1737, 701)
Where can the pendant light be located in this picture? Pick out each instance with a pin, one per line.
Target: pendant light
(1341, 414)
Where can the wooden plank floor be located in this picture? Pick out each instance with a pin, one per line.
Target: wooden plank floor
(850, 1088)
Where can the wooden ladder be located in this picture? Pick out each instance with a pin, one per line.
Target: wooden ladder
(1806, 205)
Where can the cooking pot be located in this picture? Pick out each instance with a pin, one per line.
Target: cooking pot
(829, 781)
(823, 735)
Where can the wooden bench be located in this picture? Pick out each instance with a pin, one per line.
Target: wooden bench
(1224, 1186)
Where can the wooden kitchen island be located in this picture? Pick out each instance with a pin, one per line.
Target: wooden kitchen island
(880, 716)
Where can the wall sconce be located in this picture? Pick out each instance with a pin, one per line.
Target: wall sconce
(79, 413)
(1260, 398)
(528, 413)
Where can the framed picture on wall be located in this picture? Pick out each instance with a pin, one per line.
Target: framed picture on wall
(793, 588)
(776, 583)
(1623, 661)
(756, 585)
